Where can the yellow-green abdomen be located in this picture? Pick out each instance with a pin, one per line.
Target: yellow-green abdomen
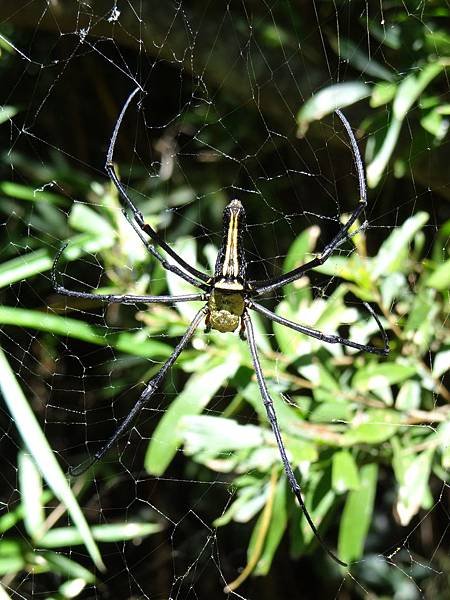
(226, 310)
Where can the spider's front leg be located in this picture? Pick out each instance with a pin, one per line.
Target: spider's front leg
(148, 392)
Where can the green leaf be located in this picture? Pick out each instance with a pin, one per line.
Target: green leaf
(84, 218)
(352, 268)
(9, 519)
(247, 491)
(3, 594)
(359, 59)
(321, 376)
(26, 192)
(319, 499)
(299, 250)
(30, 485)
(387, 36)
(392, 287)
(393, 253)
(12, 556)
(376, 426)
(60, 537)
(420, 326)
(137, 344)
(326, 316)
(443, 431)
(328, 100)
(7, 113)
(276, 530)
(60, 564)
(382, 93)
(441, 363)
(297, 255)
(434, 123)
(32, 263)
(217, 435)
(409, 396)
(412, 86)
(344, 472)
(357, 515)
(380, 375)
(37, 445)
(187, 248)
(412, 476)
(196, 395)
(408, 92)
(327, 412)
(71, 588)
(287, 416)
(440, 278)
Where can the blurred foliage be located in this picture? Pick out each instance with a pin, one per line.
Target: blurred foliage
(357, 427)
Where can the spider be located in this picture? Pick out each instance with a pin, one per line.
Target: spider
(229, 297)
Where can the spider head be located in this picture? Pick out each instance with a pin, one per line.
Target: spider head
(235, 211)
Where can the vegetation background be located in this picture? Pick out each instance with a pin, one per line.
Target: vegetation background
(239, 101)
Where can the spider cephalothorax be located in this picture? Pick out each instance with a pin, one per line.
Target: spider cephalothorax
(229, 297)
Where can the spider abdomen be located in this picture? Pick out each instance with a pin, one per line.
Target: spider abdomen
(225, 310)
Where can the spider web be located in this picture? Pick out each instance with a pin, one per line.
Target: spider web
(217, 119)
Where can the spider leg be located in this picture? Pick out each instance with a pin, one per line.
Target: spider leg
(268, 403)
(166, 264)
(151, 387)
(324, 337)
(115, 298)
(109, 167)
(267, 285)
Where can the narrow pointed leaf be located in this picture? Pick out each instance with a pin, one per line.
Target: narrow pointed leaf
(36, 443)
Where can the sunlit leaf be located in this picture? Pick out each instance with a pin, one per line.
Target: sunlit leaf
(41, 260)
(344, 472)
(374, 427)
(298, 254)
(440, 278)
(186, 247)
(7, 113)
(357, 515)
(329, 99)
(132, 343)
(380, 375)
(441, 363)
(59, 537)
(419, 326)
(359, 59)
(60, 564)
(199, 390)
(276, 530)
(408, 397)
(407, 93)
(25, 192)
(31, 491)
(394, 250)
(12, 556)
(382, 93)
(413, 483)
(37, 445)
